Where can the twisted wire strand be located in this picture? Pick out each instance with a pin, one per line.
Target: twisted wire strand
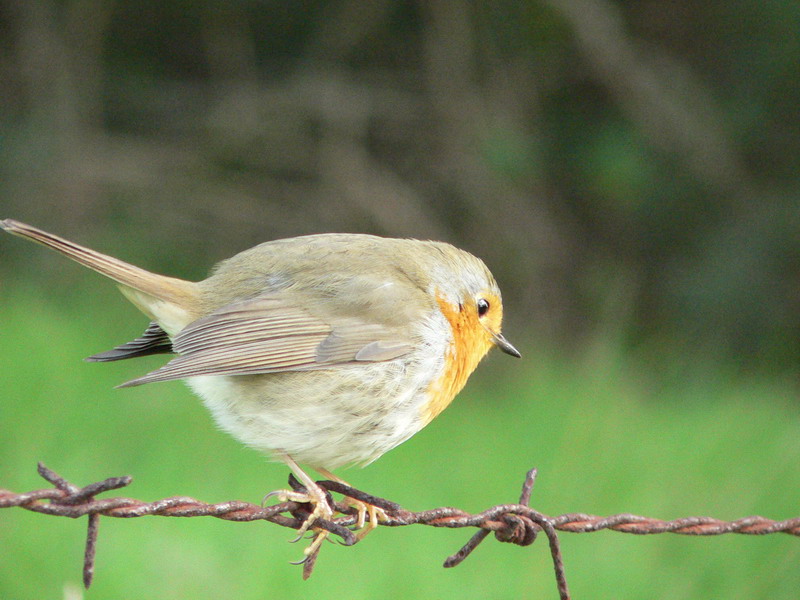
(512, 523)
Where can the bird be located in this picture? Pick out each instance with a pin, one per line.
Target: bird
(327, 349)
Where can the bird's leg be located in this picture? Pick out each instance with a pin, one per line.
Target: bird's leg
(375, 513)
(315, 496)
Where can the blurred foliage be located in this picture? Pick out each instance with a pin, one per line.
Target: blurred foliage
(622, 166)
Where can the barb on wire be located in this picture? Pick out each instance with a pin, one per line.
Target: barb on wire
(514, 523)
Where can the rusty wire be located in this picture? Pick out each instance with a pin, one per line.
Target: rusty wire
(514, 523)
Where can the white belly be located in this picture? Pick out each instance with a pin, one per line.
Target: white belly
(326, 418)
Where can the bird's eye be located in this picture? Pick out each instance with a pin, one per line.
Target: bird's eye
(483, 306)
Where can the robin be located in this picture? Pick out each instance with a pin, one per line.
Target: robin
(326, 349)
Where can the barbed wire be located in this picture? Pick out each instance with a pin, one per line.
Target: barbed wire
(512, 523)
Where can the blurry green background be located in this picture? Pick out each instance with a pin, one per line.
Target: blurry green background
(629, 172)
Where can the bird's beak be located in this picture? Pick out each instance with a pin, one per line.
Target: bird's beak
(505, 345)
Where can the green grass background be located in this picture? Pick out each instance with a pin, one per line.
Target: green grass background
(609, 433)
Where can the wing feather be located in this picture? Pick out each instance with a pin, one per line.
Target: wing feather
(153, 341)
(270, 334)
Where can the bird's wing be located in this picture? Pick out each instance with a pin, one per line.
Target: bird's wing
(269, 334)
(153, 341)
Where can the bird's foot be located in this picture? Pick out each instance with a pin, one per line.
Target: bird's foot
(375, 513)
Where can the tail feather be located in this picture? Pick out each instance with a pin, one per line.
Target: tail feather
(153, 293)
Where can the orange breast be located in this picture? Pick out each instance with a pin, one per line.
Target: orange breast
(470, 344)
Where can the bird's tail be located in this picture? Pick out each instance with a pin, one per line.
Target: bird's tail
(170, 301)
